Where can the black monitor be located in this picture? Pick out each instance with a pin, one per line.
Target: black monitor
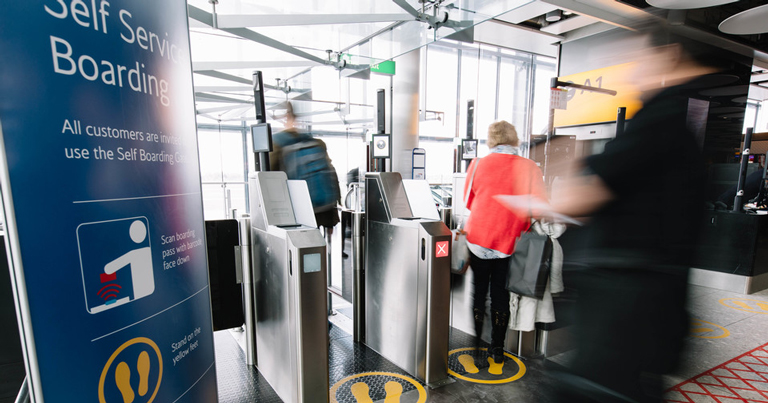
(258, 97)
(468, 149)
(261, 134)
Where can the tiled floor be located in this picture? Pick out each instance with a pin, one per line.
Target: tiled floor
(729, 326)
(720, 333)
(742, 326)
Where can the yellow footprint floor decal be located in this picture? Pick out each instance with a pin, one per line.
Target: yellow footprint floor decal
(495, 369)
(360, 392)
(468, 362)
(394, 391)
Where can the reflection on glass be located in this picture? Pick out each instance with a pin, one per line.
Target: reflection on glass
(441, 90)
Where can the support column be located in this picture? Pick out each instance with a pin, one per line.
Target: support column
(405, 112)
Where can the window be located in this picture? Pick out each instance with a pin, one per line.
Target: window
(441, 92)
(223, 171)
(503, 84)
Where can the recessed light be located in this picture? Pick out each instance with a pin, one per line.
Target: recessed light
(554, 16)
(687, 4)
(752, 21)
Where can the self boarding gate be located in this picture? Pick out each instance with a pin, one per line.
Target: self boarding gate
(407, 281)
(289, 278)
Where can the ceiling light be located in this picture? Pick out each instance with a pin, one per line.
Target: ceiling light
(554, 16)
(687, 4)
(726, 91)
(752, 21)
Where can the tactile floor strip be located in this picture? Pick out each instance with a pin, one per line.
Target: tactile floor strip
(742, 379)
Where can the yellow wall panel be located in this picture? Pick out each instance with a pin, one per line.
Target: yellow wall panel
(585, 107)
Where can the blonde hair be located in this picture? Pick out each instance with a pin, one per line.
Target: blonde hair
(502, 132)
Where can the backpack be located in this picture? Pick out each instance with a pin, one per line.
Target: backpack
(305, 158)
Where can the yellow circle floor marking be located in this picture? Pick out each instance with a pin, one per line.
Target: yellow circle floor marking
(746, 305)
(122, 373)
(701, 326)
(467, 361)
(394, 390)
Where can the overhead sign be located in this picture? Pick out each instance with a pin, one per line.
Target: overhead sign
(377, 65)
(385, 67)
(102, 201)
(585, 107)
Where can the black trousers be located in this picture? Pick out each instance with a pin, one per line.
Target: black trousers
(493, 273)
(630, 328)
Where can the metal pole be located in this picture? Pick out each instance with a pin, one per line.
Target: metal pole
(358, 272)
(328, 231)
(244, 224)
(264, 161)
(738, 204)
(621, 117)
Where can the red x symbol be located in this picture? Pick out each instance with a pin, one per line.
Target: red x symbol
(441, 249)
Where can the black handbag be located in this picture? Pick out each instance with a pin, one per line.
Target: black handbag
(459, 249)
(529, 265)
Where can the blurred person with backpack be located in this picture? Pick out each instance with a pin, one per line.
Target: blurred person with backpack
(303, 157)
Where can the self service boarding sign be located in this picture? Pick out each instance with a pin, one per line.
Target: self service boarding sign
(102, 200)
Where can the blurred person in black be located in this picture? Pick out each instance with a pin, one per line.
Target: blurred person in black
(644, 196)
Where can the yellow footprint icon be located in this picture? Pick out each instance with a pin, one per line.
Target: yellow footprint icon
(468, 362)
(495, 369)
(142, 365)
(361, 392)
(123, 381)
(135, 374)
(123, 378)
(394, 391)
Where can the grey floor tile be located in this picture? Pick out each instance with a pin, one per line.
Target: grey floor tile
(695, 291)
(710, 309)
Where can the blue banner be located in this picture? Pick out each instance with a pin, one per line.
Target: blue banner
(102, 182)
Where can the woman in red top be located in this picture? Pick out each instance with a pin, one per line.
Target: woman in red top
(493, 229)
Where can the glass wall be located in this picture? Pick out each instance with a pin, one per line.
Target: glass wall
(223, 169)
(502, 84)
(756, 116)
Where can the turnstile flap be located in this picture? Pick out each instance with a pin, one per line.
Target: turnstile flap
(279, 202)
(306, 238)
(420, 198)
(435, 228)
(386, 197)
(459, 212)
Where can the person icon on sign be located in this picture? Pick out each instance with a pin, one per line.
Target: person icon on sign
(139, 260)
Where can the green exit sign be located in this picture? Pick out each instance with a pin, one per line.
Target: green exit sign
(385, 67)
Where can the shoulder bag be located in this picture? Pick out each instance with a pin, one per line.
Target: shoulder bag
(529, 265)
(459, 249)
